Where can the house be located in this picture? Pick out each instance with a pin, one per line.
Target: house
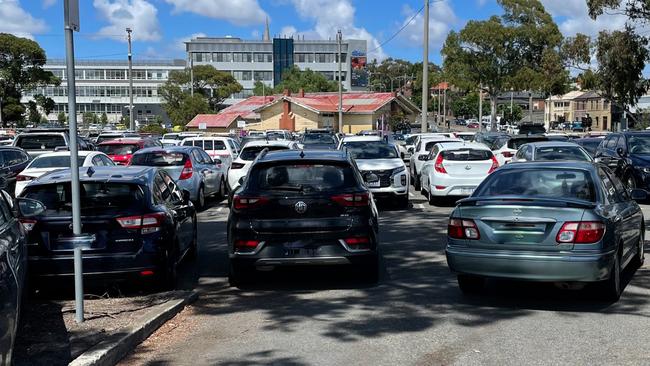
(226, 120)
(575, 105)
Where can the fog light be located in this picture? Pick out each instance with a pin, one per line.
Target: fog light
(403, 180)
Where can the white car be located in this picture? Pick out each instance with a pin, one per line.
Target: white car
(420, 153)
(225, 149)
(241, 165)
(505, 149)
(58, 160)
(466, 136)
(413, 139)
(456, 169)
(175, 138)
(374, 156)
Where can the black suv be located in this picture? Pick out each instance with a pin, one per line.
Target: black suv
(141, 224)
(302, 208)
(627, 154)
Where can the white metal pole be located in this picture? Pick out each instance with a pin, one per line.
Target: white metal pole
(131, 121)
(480, 107)
(425, 69)
(339, 39)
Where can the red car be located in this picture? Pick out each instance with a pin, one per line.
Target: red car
(473, 125)
(121, 150)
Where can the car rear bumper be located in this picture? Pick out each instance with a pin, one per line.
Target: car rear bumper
(531, 266)
(96, 265)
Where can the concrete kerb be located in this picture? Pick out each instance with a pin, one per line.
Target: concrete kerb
(111, 350)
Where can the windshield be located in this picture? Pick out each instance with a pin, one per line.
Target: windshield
(516, 143)
(590, 145)
(159, 158)
(251, 152)
(118, 149)
(170, 136)
(495, 142)
(639, 144)
(44, 162)
(549, 183)
(38, 142)
(561, 153)
(411, 140)
(466, 137)
(370, 150)
(467, 155)
(312, 139)
(96, 197)
(303, 178)
(103, 138)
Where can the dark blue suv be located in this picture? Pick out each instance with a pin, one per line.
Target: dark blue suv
(627, 154)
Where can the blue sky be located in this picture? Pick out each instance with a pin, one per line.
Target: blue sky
(160, 26)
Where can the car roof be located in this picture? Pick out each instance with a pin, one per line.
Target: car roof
(253, 143)
(280, 155)
(120, 174)
(551, 144)
(361, 138)
(635, 133)
(201, 138)
(554, 164)
(456, 144)
(428, 139)
(67, 153)
(174, 148)
(123, 141)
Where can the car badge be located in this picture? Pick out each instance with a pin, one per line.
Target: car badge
(519, 236)
(516, 211)
(468, 167)
(300, 207)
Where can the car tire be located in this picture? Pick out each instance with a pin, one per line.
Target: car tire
(416, 182)
(630, 182)
(200, 199)
(169, 276)
(403, 202)
(237, 275)
(639, 258)
(222, 190)
(611, 288)
(470, 284)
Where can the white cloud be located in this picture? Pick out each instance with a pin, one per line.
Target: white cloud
(238, 12)
(17, 21)
(48, 3)
(288, 31)
(332, 15)
(139, 15)
(574, 18)
(178, 44)
(441, 18)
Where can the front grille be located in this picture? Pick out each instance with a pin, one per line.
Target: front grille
(384, 176)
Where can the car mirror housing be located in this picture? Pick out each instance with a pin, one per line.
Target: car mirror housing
(639, 194)
(29, 208)
(217, 161)
(620, 152)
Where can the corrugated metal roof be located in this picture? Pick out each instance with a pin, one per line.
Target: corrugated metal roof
(226, 117)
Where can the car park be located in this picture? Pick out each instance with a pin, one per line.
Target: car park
(417, 159)
(225, 149)
(374, 156)
(13, 160)
(547, 221)
(551, 150)
(58, 160)
(303, 208)
(190, 167)
(628, 155)
(138, 225)
(455, 169)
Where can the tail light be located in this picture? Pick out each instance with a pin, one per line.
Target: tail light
(23, 178)
(28, 224)
(495, 165)
(584, 232)
(438, 165)
(246, 245)
(508, 154)
(463, 229)
(187, 171)
(236, 165)
(149, 223)
(357, 243)
(242, 203)
(352, 199)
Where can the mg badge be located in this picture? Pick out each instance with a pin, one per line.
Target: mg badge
(300, 207)
(468, 167)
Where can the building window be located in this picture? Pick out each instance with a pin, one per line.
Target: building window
(343, 57)
(305, 57)
(243, 75)
(94, 74)
(324, 58)
(242, 57)
(57, 72)
(605, 107)
(116, 74)
(222, 57)
(139, 74)
(263, 75)
(78, 74)
(245, 93)
(262, 57)
(156, 75)
(202, 56)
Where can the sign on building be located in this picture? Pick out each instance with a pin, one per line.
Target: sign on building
(241, 124)
(203, 126)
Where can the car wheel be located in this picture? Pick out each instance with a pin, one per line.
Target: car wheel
(403, 202)
(416, 185)
(469, 284)
(193, 251)
(222, 190)
(237, 276)
(630, 182)
(611, 287)
(639, 259)
(170, 274)
(200, 199)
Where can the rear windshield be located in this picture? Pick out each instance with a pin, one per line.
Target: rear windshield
(561, 153)
(97, 198)
(118, 149)
(303, 178)
(251, 152)
(516, 143)
(320, 139)
(531, 129)
(370, 150)
(38, 142)
(159, 158)
(466, 137)
(549, 183)
(54, 162)
(466, 155)
(103, 138)
(429, 145)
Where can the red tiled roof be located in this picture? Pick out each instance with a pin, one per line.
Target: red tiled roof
(352, 102)
(244, 109)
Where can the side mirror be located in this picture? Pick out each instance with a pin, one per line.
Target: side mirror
(217, 161)
(371, 178)
(241, 181)
(639, 194)
(186, 196)
(29, 208)
(620, 152)
(62, 148)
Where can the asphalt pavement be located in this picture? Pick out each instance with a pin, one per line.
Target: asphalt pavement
(415, 315)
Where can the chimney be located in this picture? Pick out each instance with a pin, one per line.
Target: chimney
(301, 93)
(286, 93)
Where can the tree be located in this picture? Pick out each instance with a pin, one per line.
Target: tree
(519, 49)
(213, 84)
(89, 118)
(153, 129)
(180, 106)
(33, 115)
(21, 69)
(588, 80)
(510, 117)
(261, 89)
(310, 81)
(103, 120)
(635, 10)
(61, 117)
(46, 103)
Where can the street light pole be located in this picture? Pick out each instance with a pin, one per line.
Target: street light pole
(480, 107)
(425, 69)
(339, 39)
(131, 121)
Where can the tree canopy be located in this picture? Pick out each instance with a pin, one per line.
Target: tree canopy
(213, 84)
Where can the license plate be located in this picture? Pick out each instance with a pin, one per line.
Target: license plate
(467, 191)
(374, 184)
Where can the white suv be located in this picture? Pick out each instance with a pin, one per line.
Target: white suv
(421, 151)
(240, 166)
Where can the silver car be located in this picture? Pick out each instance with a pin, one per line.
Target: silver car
(191, 167)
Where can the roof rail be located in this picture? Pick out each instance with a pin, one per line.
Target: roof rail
(263, 153)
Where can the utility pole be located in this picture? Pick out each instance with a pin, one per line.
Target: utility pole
(131, 121)
(439, 99)
(444, 107)
(191, 74)
(425, 69)
(480, 107)
(530, 106)
(71, 15)
(339, 39)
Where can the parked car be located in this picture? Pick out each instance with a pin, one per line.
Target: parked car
(13, 271)
(590, 144)
(190, 167)
(113, 135)
(473, 125)
(58, 160)
(417, 159)
(239, 168)
(628, 156)
(121, 150)
(13, 160)
(374, 156)
(505, 148)
(551, 150)
(547, 221)
(302, 208)
(42, 141)
(531, 129)
(279, 135)
(455, 169)
(141, 224)
(318, 141)
(225, 149)
(465, 136)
